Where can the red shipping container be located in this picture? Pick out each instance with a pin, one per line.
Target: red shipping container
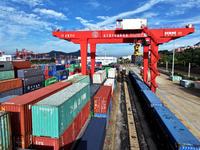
(67, 66)
(46, 72)
(66, 140)
(22, 141)
(20, 65)
(102, 99)
(56, 62)
(20, 107)
(71, 73)
(11, 84)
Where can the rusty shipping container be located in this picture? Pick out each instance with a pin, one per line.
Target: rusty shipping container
(21, 107)
(20, 65)
(102, 100)
(67, 138)
(11, 84)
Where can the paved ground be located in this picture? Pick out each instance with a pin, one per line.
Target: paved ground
(183, 102)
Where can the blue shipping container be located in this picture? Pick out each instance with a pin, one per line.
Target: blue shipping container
(151, 98)
(94, 136)
(179, 135)
(18, 91)
(3, 99)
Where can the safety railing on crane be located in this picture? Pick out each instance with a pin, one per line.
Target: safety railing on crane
(114, 28)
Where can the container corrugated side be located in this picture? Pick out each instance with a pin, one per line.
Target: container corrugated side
(20, 65)
(51, 81)
(5, 131)
(112, 73)
(110, 82)
(6, 75)
(11, 84)
(99, 77)
(18, 91)
(93, 91)
(79, 79)
(51, 118)
(197, 84)
(94, 136)
(33, 87)
(20, 107)
(6, 65)
(67, 138)
(33, 80)
(75, 66)
(177, 133)
(30, 72)
(102, 99)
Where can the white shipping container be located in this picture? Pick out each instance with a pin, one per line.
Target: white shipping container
(197, 84)
(99, 77)
(133, 23)
(110, 82)
(74, 75)
(112, 73)
(62, 61)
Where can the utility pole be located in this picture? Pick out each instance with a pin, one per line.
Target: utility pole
(173, 58)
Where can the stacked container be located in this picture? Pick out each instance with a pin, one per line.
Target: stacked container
(51, 81)
(32, 78)
(45, 71)
(61, 120)
(21, 112)
(103, 102)
(20, 65)
(99, 77)
(6, 70)
(5, 131)
(11, 87)
(110, 82)
(78, 79)
(62, 74)
(112, 73)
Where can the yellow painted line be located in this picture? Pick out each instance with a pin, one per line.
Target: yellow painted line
(115, 119)
(179, 117)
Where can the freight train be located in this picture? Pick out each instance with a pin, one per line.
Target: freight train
(171, 132)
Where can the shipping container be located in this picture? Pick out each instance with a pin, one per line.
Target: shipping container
(94, 136)
(22, 141)
(51, 118)
(93, 91)
(20, 107)
(197, 84)
(33, 80)
(78, 79)
(107, 115)
(152, 99)
(110, 82)
(186, 83)
(67, 138)
(17, 91)
(62, 72)
(75, 66)
(102, 99)
(180, 137)
(5, 131)
(175, 78)
(11, 84)
(99, 77)
(112, 73)
(30, 72)
(141, 85)
(33, 87)
(127, 24)
(61, 78)
(3, 99)
(107, 68)
(20, 65)
(6, 75)
(6, 65)
(51, 81)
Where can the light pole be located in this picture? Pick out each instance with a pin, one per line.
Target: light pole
(173, 58)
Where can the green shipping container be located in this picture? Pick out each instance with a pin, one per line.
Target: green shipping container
(51, 81)
(79, 79)
(5, 131)
(107, 68)
(75, 65)
(5, 75)
(70, 69)
(175, 78)
(53, 115)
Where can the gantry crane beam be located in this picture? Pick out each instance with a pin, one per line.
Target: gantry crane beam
(149, 38)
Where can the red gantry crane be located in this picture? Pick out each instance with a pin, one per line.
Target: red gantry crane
(127, 31)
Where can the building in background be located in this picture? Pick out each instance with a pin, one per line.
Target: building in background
(5, 58)
(104, 60)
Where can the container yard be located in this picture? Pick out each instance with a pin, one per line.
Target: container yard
(99, 104)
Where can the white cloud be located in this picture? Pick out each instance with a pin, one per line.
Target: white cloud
(175, 12)
(102, 17)
(149, 15)
(85, 22)
(31, 3)
(50, 13)
(190, 4)
(94, 3)
(110, 20)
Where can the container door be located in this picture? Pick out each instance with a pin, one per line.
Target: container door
(97, 105)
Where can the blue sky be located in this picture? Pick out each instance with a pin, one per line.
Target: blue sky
(28, 23)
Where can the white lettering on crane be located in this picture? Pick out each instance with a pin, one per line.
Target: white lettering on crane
(170, 33)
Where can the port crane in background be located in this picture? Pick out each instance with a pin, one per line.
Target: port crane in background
(126, 31)
(1, 52)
